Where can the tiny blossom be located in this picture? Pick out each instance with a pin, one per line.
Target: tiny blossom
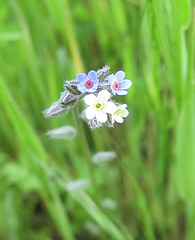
(108, 204)
(77, 185)
(93, 228)
(97, 88)
(101, 157)
(120, 113)
(87, 83)
(99, 106)
(118, 84)
(64, 132)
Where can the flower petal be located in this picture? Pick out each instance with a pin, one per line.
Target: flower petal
(101, 116)
(113, 91)
(92, 75)
(103, 96)
(91, 90)
(120, 75)
(110, 107)
(125, 84)
(118, 119)
(123, 106)
(111, 78)
(81, 77)
(81, 88)
(90, 113)
(95, 85)
(90, 99)
(122, 92)
(124, 112)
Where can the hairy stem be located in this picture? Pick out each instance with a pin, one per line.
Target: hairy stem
(86, 149)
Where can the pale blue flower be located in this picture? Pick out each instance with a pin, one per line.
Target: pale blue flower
(118, 84)
(87, 83)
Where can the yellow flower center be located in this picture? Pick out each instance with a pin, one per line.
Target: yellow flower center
(98, 106)
(117, 112)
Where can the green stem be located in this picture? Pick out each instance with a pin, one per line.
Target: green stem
(86, 150)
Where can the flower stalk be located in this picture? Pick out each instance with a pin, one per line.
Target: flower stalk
(86, 150)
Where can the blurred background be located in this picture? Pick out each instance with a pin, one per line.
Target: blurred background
(143, 184)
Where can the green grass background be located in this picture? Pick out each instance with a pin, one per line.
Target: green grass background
(152, 181)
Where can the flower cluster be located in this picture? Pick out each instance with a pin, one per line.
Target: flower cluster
(97, 90)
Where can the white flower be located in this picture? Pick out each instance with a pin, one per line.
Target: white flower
(101, 157)
(99, 106)
(77, 185)
(120, 113)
